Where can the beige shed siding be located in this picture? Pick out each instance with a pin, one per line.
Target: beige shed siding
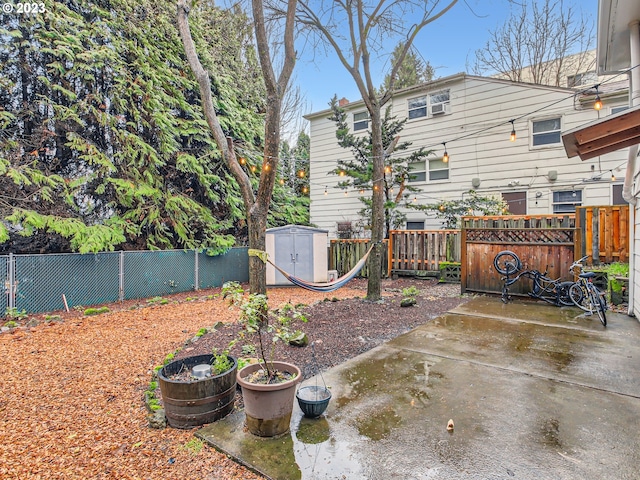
(476, 105)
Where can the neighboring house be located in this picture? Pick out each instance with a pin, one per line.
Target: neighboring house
(470, 117)
(619, 53)
(577, 70)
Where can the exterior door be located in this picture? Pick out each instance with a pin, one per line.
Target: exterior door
(294, 254)
(517, 202)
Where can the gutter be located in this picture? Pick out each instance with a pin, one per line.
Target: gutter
(627, 188)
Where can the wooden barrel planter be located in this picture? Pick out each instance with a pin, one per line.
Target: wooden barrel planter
(196, 402)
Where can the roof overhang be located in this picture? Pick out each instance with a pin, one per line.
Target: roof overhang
(613, 34)
(603, 136)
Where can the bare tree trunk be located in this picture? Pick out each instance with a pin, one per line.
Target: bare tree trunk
(256, 204)
(374, 285)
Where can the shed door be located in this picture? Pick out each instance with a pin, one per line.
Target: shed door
(294, 254)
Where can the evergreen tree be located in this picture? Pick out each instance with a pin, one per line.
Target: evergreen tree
(102, 140)
(412, 71)
(357, 171)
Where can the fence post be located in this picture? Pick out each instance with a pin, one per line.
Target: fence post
(196, 279)
(12, 283)
(121, 277)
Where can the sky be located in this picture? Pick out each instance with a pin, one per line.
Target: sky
(448, 44)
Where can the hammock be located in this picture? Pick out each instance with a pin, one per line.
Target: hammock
(316, 287)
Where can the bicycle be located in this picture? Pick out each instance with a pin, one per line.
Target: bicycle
(550, 290)
(585, 295)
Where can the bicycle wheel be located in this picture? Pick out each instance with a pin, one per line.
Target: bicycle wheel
(598, 303)
(564, 295)
(577, 296)
(507, 263)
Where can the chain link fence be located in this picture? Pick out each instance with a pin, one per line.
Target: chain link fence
(41, 283)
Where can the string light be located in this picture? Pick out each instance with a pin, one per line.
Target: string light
(513, 131)
(387, 169)
(362, 191)
(282, 181)
(265, 167)
(253, 168)
(305, 189)
(342, 173)
(325, 191)
(301, 173)
(613, 176)
(445, 156)
(242, 160)
(346, 192)
(597, 104)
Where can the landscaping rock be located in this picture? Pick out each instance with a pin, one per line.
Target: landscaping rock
(157, 419)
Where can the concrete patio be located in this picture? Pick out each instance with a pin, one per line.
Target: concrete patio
(534, 391)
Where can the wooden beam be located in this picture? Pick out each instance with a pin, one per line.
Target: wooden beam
(604, 136)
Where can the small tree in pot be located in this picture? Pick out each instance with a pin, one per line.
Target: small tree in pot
(268, 387)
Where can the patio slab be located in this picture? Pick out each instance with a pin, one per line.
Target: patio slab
(535, 392)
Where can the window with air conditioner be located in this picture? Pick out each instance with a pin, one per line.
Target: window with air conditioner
(439, 103)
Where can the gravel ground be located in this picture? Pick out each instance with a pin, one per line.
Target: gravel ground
(343, 329)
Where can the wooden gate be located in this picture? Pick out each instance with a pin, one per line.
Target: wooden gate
(603, 233)
(549, 245)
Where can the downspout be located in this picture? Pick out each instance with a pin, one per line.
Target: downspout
(627, 188)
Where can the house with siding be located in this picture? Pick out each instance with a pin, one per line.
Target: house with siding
(618, 52)
(471, 118)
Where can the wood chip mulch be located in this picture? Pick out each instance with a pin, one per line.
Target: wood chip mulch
(71, 392)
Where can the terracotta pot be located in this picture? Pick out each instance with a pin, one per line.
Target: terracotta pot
(193, 403)
(268, 408)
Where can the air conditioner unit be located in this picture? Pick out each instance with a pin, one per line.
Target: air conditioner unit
(438, 109)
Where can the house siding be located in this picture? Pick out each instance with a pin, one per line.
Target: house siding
(478, 148)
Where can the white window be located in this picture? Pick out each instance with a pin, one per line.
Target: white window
(439, 102)
(438, 170)
(566, 201)
(586, 78)
(417, 107)
(360, 121)
(417, 172)
(546, 132)
(415, 225)
(619, 109)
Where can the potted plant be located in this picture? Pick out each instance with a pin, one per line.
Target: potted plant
(268, 386)
(198, 389)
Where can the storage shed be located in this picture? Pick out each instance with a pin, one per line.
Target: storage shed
(298, 250)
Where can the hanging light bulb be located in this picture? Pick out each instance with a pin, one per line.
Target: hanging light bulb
(415, 199)
(325, 191)
(441, 207)
(242, 160)
(597, 104)
(387, 169)
(613, 176)
(513, 132)
(445, 156)
(346, 192)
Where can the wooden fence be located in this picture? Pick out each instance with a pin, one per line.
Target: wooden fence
(541, 241)
(603, 233)
(422, 250)
(344, 254)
